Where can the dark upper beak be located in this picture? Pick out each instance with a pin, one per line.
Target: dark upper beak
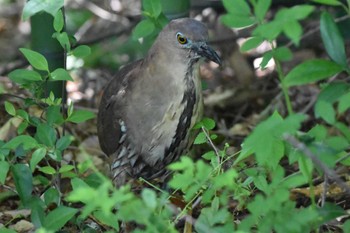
(204, 50)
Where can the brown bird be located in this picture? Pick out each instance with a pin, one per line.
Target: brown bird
(148, 109)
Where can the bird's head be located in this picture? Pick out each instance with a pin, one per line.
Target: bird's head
(188, 37)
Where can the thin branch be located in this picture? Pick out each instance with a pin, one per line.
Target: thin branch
(308, 153)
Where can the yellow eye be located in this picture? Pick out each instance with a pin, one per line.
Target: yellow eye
(181, 38)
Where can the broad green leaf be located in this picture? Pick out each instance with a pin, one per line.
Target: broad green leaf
(261, 8)
(66, 168)
(61, 74)
(297, 12)
(332, 39)
(6, 230)
(325, 111)
(293, 31)
(328, 2)
(22, 76)
(37, 60)
(338, 143)
(344, 103)
(81, 51)
(251, 43)
(282, 54)
(34, 6)
(311, 71)
(54, 115)
(206, 122)
(10, 109)
(79, 116)
(23, 182)
(37, 156)
(149, 198)
(48, 170)
(200, 139)
(64, 142)
(333, 91)
(46, 134)
(330, 211)
(58, 21)
(57, 218)
(51, 196)
(109, 220)
(25, 140)
(237, 7)
(4, 168)
(143, 29)
(237, 21)
(269, 31)
(319, 132)
(154, 7)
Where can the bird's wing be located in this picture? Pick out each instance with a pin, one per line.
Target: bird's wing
(109, 122)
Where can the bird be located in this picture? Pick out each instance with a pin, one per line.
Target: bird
(147, 110)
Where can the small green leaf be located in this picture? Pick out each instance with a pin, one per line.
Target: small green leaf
(209, 155)
(61, 74)
(51, 196)
(237, 7)
(328, 2)
(48, 170)
(149, 198)
(79, 116)
(266, 58)
(66, 168)
(238, 21)
(332, 39)
(311, 71)
(325, 111)
(143, 29)
(63, 39)
(22, 76)
(344, 103)
(251, 43)
(64, 142)
(23, 181)
(26, 141)
(81, 51)
(58, 21)
(282, 54)
(261, 8)
(109, 220)
(54, 115)
(154, 7)
(57, 218)
(37, 156)
(4, 168)
(37, 60)
(22, 127)
(208, 123)
(46, 134)
(293, 31)
(10, 109)
(200, 139)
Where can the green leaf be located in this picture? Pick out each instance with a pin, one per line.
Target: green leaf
(200, 139)
(23, 182)
(325, 110)
(344, 103)
(251, 43)
(54, 115)
(37, 156)
(48, 170)
(10, 109)
(57, 218)
(293, 31)
(58, 21)
(282, 54)
(332, 39)
(149, 198)
(61, 74)
(34, 6)
(154, 7)
(266, 58)
(79, 116)
(81, 51)
(26, 141)
(4, 168)
(37, 60)
(311, 71)
(297, 12)
(237, 7)
(22, 76)
(64, 142)
(261, 8)
(66, 168)
(209, 155)
(46, 134)
(337, 143)
(143, 29)
(51, 196)
(238, 21)
(63, 39)
(268, 31)
(109, 220)
(328, 2)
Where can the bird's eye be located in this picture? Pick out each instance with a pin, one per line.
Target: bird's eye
(181, 38)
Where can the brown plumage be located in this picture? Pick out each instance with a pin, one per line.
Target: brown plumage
(148, 109)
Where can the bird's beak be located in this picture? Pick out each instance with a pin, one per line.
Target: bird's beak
(204, 50)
